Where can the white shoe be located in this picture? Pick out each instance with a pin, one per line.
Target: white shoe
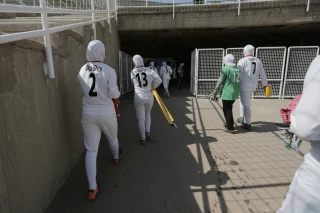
(225, 129)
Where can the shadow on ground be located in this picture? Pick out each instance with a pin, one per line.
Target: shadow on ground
(178, 171)
(157, 177)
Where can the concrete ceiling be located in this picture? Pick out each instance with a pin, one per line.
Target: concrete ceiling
(179, 44)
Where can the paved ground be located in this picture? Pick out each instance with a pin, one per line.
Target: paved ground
(195, 168)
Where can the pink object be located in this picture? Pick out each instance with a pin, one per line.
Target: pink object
(285, 112)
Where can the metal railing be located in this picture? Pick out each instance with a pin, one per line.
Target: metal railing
(104, 9)
(64, 4)
(154, 6)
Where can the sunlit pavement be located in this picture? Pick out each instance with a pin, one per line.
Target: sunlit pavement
(194, 168)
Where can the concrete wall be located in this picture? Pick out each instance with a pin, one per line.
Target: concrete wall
(255, 17)
(40, 133)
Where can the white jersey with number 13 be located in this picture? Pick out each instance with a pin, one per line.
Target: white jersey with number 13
(144, 79)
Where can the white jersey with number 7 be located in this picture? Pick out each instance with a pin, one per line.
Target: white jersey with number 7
(251, 68)
(144, 79)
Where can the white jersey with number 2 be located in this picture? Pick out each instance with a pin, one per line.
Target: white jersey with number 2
(99, 86)
(144, 79)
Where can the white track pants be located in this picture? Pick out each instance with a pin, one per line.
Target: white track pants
(92, 126)
(304, 192)
(143, 111)
(165, 83)
(245, 105)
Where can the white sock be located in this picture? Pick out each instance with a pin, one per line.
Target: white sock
(241, 110)
(247, 114)
(91, 168)
(148, 122)
(114, 147)
(142, 128)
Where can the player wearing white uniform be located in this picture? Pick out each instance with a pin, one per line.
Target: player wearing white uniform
(180, 75)
(153, 67)
(304, 192)
(144, 80)
(165, 73)
(251, 68)
(99, 86)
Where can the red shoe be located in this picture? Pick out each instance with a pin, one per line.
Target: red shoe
(92, 193)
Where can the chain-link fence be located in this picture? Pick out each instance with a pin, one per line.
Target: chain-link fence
(285, 70)
(210, 62)
(298, 62)
(273, 60)
(236, 52)
(125, 68)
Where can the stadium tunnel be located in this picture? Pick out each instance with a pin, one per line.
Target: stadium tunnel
(178, 44)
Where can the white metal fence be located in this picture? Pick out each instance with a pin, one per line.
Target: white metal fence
(64, 4)
(193, 72)
(273, 59)
(210, 62)
(173, 6)
(298, 62)
(125, 68)
(285, 70)
(236, 52)
(93, 9)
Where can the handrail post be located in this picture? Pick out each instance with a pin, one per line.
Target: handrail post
(46, 38)
(239, 7)
(116, 8)
(146, 3)
(94, 26)
(173, 8)
(308, 6)
(109, 22)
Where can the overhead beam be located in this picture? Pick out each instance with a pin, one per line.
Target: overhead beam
(254, 17)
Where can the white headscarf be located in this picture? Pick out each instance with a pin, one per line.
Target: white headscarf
(164, 64)
(138, 61)
(96, 51)
(229, 60)
(152, 64)
(181, 65)
(248, 50)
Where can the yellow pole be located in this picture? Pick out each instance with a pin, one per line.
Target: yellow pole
(164, 109)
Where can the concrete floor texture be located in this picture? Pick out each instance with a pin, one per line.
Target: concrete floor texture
(196, 168)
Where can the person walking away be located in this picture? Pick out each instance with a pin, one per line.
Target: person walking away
(144, 80)
(229, 81)
(251, 68)
(180, 75)
(98, 82)
(165, 74)
(153, 67)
